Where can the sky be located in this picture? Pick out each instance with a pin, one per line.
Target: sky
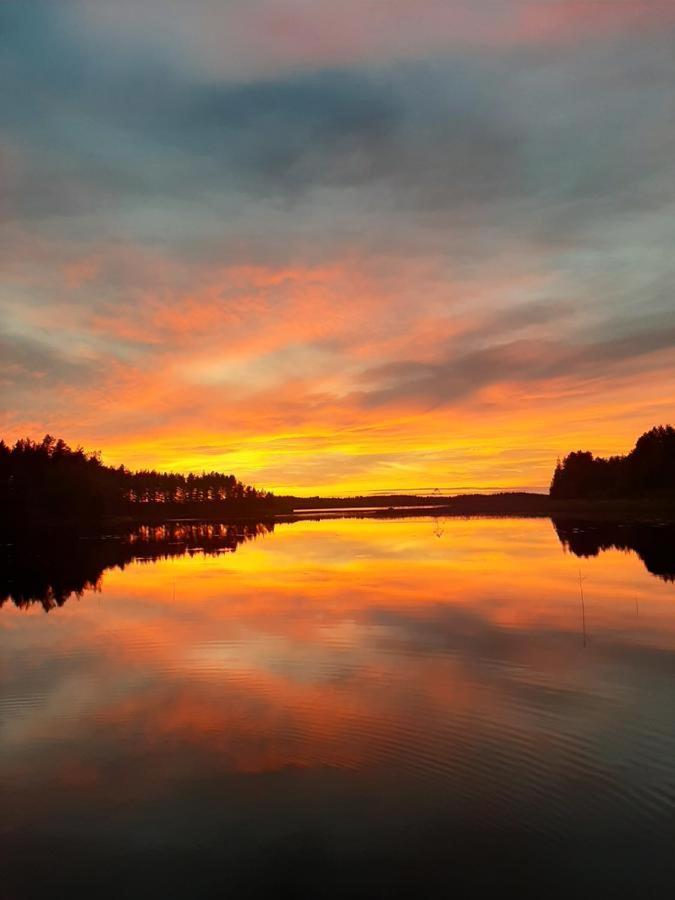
(338, 247)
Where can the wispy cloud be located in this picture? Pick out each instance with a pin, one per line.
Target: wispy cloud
(393, 248)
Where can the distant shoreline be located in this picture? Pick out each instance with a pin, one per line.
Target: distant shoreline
(462, 506)
(610, 510)
(50, 484)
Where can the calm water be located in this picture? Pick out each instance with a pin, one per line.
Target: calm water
(339, 708)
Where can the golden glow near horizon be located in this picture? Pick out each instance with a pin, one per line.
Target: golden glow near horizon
(415, 453)
(514, 448)
(426, 252)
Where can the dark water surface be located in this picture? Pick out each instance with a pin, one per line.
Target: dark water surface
(342, 708)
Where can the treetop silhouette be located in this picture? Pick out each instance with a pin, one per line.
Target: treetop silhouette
(50, 478)
(647, 471)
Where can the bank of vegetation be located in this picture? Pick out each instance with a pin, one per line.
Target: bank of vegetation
(50, 480)
(646, 474)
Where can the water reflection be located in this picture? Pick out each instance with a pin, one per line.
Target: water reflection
(345, 708)
(654, 543)
(47, 570)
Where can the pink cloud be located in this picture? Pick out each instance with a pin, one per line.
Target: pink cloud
(244, 39)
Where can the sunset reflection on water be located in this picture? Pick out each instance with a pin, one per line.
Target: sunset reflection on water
(357, 692)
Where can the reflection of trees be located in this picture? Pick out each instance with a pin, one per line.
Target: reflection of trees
(653, 543)
(49, 568)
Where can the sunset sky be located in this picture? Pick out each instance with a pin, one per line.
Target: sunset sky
(338, 246)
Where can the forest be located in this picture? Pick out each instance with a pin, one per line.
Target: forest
(47, 479)
(50, 479)
(647, 472)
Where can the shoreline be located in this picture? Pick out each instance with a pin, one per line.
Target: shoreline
(464, 506)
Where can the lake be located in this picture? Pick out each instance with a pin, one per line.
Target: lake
(349, 707)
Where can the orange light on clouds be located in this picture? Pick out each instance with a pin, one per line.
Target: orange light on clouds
(376, 249)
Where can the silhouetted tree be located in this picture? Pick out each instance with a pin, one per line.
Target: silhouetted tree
(648, 470)
(49, 478)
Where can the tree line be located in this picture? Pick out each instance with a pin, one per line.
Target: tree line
(48, 477)
(648, 471)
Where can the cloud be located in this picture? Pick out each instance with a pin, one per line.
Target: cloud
(245, 39)
(508, 141)
(466, 373)
(209, 231)
(25, 359)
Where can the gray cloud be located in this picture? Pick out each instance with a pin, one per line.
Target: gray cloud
(558, 161)
(24, 359)
(467, 371)
(543, 145)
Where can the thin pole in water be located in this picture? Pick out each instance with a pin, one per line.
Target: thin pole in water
(583, 607)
